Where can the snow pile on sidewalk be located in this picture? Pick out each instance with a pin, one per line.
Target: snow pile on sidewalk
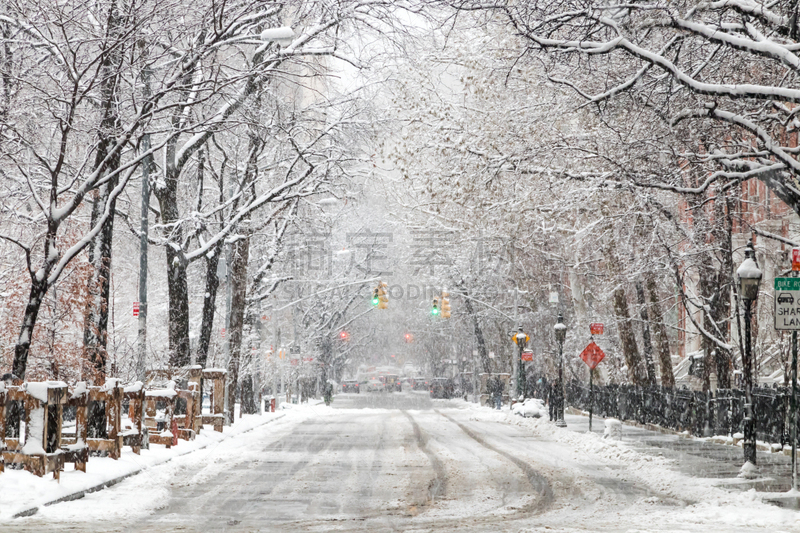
(21, 491)
(698, 499)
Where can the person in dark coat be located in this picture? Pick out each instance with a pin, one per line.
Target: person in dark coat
(497, 392)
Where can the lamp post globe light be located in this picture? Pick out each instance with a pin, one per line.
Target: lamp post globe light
(561, 334)
(749, 276)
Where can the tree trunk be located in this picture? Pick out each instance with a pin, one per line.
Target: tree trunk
(23, 346)
(209, 305)
(646, 344)
(721, 305)
(479, 340)
(249, 406)
(630, 349)
(177, 285)
(662, 341)
(95, 331)
(240, 252)
(706, 287)
(178, 308)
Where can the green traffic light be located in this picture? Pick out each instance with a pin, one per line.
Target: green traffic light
(434, 311)
(375, 301)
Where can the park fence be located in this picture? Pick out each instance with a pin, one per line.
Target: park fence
(702, 414)
(44, 425)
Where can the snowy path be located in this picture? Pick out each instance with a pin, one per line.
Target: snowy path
(444, 469)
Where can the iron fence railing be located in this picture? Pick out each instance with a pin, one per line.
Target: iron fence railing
(700, 413)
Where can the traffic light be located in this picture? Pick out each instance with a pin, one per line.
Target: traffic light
(344, 336)
(409, 337)
(376, 296)
(435, 307)
(445, 305)
(383, 298)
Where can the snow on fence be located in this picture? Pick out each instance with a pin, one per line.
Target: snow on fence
(719, 412)
(39, 406)
(32, 419)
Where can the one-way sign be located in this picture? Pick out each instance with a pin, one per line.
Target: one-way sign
(787, 303)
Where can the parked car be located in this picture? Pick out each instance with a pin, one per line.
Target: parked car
(420, 384)
(441, 388)
(350, 385)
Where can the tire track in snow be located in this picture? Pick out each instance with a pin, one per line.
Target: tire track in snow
(438, 485)
(539, 483)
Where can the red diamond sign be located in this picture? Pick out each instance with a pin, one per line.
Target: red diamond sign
(592, 355)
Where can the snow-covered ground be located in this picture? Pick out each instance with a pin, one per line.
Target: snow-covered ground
(457, 467)
(21, 491)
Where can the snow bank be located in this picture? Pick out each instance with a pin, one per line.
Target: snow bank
(613, 429)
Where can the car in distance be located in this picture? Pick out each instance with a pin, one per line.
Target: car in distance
(393, 383)
(375, 385)
(785, 298)
(420, 384)
(350, 385)
(441, 388)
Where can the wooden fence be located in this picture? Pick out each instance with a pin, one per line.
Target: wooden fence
(32, 419)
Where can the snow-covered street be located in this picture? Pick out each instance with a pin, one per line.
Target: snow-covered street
(441, 466)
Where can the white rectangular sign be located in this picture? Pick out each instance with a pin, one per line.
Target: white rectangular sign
(787, 304)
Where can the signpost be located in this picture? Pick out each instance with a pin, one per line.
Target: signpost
(135, 309)
(596, 328)
(787, 317)
(527, 355)
(592, 355)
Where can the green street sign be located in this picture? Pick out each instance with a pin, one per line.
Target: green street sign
(787, 303)
(787, 284)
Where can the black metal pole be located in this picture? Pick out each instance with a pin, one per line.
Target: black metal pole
(520, 374)
(591, 399)
(560, 393)
(749, 445)
(794, 410)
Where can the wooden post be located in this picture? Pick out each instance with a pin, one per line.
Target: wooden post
(111, 394)
(135, 395)
(41, 451)
(218, 378)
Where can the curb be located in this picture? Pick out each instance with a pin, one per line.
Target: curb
(111, 482)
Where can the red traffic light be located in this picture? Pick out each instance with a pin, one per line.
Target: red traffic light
(409, 337)
(344, 335)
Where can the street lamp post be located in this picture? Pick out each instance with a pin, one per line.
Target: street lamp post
(561, 335)
(521, 339)
(749, 279)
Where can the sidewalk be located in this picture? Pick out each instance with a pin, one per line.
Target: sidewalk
(23, 493)
(698, 457)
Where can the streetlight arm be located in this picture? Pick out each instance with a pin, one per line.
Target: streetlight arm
(486, 305)
(323, 291)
